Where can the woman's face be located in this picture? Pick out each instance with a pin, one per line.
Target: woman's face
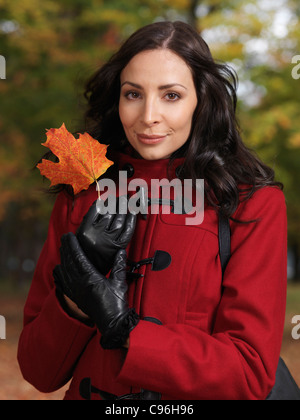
(157, 102)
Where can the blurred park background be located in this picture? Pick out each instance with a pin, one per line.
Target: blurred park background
(51, 47)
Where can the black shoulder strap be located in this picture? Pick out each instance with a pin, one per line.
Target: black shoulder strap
(224, 241)
(285, 386)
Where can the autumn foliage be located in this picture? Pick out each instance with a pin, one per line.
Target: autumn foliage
(81, 161)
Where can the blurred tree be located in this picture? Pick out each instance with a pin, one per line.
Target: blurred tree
(259, 39)
(51, 48)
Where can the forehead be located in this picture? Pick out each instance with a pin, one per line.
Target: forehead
(157, 65)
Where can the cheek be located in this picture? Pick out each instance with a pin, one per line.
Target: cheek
(127, 115)
(181, 120)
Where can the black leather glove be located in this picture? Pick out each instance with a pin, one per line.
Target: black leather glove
(101, 236)
(103, 300)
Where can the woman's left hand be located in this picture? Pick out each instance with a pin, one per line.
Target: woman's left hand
(103, 300)
(101, 236)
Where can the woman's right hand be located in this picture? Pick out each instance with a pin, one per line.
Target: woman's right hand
(103, 300)
(101, 236)
(74, 311)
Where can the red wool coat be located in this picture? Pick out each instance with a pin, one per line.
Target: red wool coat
(213, 343)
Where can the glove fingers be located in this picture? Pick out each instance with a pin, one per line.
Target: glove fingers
(118, 271)
(104, 214)
(73, 258)
(61, 281)
(117, 280)
(119, 218)
(128, 230)
(91, 215)
(108, 216)
(96, 216)
(58, 278)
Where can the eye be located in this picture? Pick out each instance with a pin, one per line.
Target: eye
(172, 96)
(132, 95)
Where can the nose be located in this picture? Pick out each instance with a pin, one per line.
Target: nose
(151, 112)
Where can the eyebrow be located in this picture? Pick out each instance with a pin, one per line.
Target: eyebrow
(168, 86)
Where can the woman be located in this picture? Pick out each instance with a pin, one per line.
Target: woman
(174, 326)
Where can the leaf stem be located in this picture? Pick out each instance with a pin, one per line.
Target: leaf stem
(98, 189)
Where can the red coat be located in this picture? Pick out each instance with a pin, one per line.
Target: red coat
(211, 345)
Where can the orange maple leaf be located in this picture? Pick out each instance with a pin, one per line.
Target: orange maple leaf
(81, 161)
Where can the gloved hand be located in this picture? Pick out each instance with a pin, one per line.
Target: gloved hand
(103, 300)
(101, 236)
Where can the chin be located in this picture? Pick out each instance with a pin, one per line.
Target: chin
(153, 154)
(154, 157)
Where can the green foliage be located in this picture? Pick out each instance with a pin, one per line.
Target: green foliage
(259, 39)
(52, 47)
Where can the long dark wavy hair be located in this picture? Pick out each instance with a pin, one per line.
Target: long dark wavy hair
(214, 151)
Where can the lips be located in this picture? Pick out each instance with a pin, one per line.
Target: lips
(151, 139)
